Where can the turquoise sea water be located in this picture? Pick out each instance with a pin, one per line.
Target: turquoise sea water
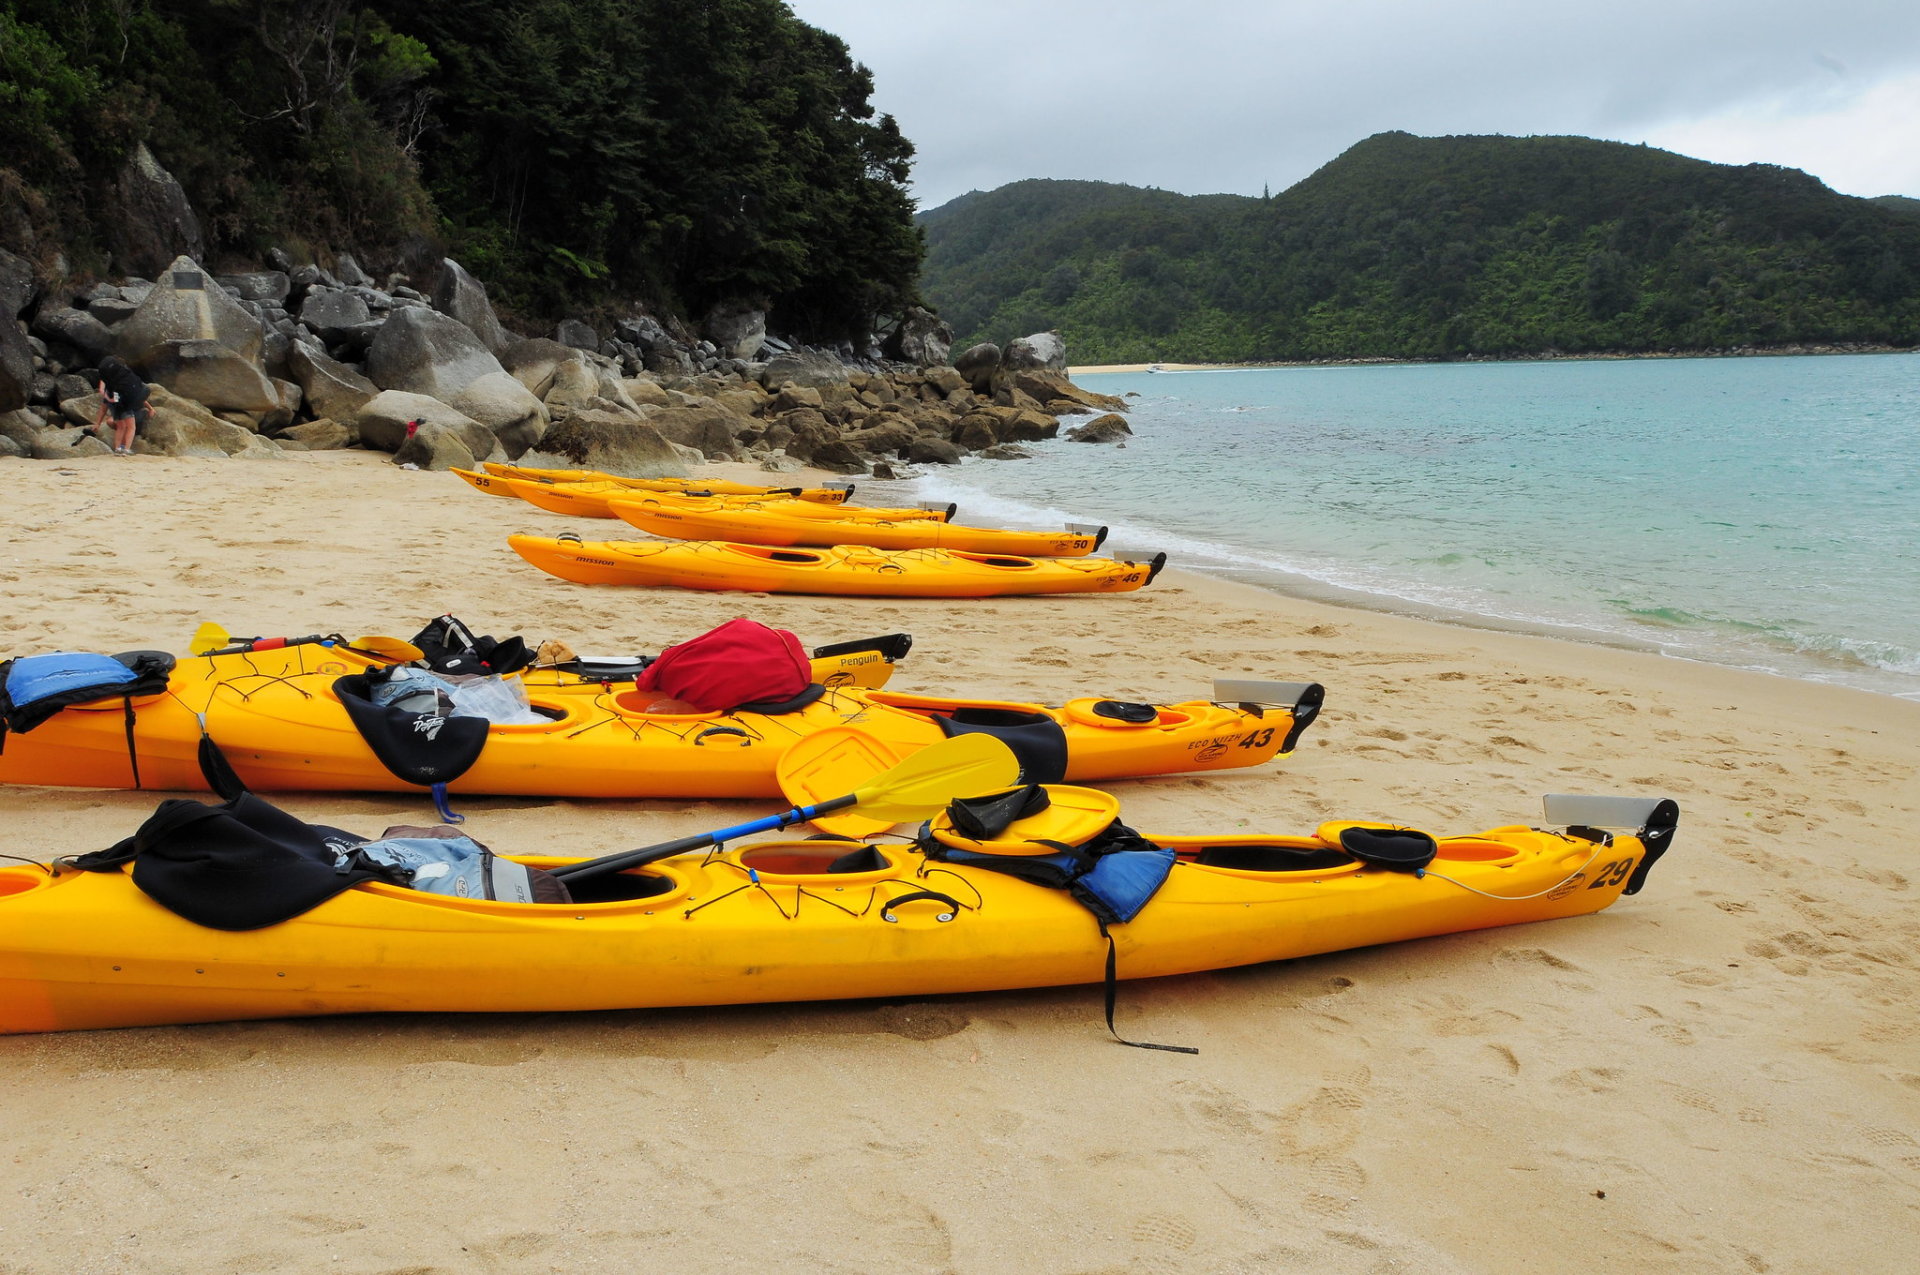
(1757, 512)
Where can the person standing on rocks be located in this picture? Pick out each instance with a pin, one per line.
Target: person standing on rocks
(123, 398)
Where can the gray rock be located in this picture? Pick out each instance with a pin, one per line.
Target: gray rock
(67, 444)
(22, 427)
(181, 307)
(152, 220)
(806, 368)
(46, 388)
(642, 331)
(667, 360)
(921, 338)
(427, 352)
(647, 392)
(535, 362)
(72, 385)
(977, 366)
(111, 310)
(212, 374)
(357, 340)
(506, 407)
(781, 463)
(348, 271)
(17, 289)
(1043, 351)
(75, 329)
(260, 285)
(382, 422)
(16, 366)
(310, 276)
(737, 332)
(331, 312)
(933, 451)
(576, 334)
(612, 442)
(1102, 429)
(709, 430)
(1006, 451)
(464, 298)
(437, 447)
(279, 260)
(332, 389)
(182, 427)
(11, 449)
(321, 435)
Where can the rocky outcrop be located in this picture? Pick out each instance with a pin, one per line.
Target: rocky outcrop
(211, 374)
(506, 407)
(921, 338)
(977, 365)
(16, 366)
(152, 223)
(737, 332)
(333, 390)
(1043, 351)
(181, 427)
(1104, 429)
(707, 429)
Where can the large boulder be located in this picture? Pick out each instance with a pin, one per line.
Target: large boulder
(213, 375)
(152, 220)
(321, 435)
(17, 288)
(461, 296)
(574, 333)
(647, 392)
(436, 447)
(977, 364)
(424, 351)
(709, 430)
(181, 427)
(1104, 429)
(382, 422)
(332, 389)
(805, 368)
(259, 285)
(16, 366)
(506, 407)
(534, 362)
(612, 442)
(70, 444)
(1044, 351)
(1052, 387)
(921, 338)
(79, 329)
(737, 332)
(185, 305)
(333, 313)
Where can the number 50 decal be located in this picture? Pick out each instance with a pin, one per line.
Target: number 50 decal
(1612, 874)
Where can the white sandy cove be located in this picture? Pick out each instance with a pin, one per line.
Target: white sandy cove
(1719, 1074)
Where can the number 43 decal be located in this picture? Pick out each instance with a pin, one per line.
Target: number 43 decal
(1258, 738)
(1612, 874)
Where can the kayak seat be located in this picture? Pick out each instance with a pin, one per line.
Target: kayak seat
(619, 887)
(775, 707)
(1037, 741)
(1272, 858)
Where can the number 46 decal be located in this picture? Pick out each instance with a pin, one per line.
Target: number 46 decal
(1612, 874)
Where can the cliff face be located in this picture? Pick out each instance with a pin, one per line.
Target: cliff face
(1408, 247)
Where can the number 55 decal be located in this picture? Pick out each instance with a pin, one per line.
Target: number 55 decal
(1612, 874)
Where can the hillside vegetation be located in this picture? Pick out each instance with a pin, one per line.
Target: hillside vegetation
(1408, 247)
(571, 152)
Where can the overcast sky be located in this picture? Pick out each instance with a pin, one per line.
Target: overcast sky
(1204, 96)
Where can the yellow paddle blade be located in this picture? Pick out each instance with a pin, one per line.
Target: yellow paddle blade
(845, 759)
(833, 762)
(208, 637)
(388, 648)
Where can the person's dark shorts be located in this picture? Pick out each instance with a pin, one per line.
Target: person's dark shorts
(139, 415)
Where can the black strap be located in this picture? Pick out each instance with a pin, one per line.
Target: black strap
(1112, 993)
(217, 770)
(133, 754)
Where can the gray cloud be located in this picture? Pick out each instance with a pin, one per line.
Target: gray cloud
(1231, 95)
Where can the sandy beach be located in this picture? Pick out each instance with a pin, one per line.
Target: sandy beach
(1720, 1074)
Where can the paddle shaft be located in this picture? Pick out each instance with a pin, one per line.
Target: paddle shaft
(699, 841)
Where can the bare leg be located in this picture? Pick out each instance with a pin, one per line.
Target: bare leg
(123, 434)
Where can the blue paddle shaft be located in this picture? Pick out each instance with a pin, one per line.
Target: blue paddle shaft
(667, 849)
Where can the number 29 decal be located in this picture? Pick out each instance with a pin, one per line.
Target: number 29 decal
(1612, 874)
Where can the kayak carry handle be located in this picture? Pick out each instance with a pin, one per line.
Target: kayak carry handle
(1094, 529)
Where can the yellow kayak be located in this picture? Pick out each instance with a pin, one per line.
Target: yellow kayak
(848, 570)
(791, 921)
(594, 500)
(836, 494)
(293, 719)
(770, 526)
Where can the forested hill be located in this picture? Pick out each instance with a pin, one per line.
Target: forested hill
(1408, 247)
(685, 153)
